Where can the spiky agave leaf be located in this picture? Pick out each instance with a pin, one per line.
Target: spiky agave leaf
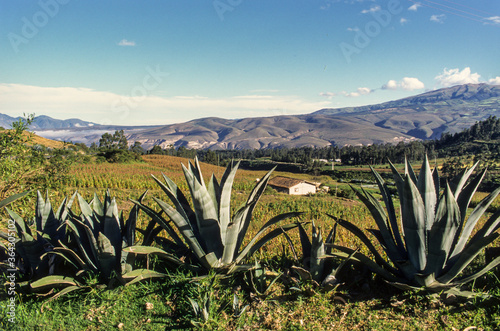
(207, 229)
(436, 235)
(12, 198)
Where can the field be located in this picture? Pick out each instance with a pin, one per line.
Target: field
(360, 301)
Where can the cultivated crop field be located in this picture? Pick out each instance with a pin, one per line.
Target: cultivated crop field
(279, 298)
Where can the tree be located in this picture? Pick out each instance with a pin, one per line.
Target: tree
(117, 141)
(114, 148)
(137, 148)
(24, 166)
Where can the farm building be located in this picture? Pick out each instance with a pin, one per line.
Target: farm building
(293, 186)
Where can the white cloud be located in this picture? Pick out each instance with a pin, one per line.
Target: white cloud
(415, 6)
(359, 92)
(364, 90)
(403, 21)
(453, 77)
(438, 18)
(353, 29)
(494, 81)
(125, 42)
(411, 83)
(390, 85)
(372, 9)
(110, 108)
(493, 20)
(328, 95)
(407, 84)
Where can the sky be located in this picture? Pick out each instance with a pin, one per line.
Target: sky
(153, 62)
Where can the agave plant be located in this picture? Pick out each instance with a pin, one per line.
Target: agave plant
(429, 247)
(317, 258)
(207, 231)
(50, 231)
(101, 234)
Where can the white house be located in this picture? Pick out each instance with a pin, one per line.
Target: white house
(293, 186)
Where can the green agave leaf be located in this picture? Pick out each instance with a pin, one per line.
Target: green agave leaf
(354, 255)
(131, 222)
(182, 206)
(224, 204)
(108, 258)
(206, 214)
(21, 226)
(214, 191)
(361, 235)
(255, 243)
(236, 230)
(427, 189)
(443, 232)
(231, 245)
(98, 207)
(318, 251)
(183, 202)
(459, 181)
(242, 219)
(184, 228)
(138, 275)
(150, 250)
(196, 170)
(490, 226)
(63, 210)
(435, 176)
(472, 221)
(87, 212)
(162, 222)
(63, 292)
(111, 227)
(409, 172)
(292, 246)
(414, 224)
(454, 268)
(43, 212)
(85, 240)
(391, 213)
(305, 242)
(53, 281)
(70, 256)
(400, 183)
(380, 217)
(13, 198)
(483, 271)
(465, 196)
(226, 186)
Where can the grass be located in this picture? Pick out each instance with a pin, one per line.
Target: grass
(372, 305)
(361, 301)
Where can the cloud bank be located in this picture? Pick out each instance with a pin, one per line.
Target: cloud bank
(110, 108)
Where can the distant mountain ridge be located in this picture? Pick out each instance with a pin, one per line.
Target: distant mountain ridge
(45, 122)
(424, 116)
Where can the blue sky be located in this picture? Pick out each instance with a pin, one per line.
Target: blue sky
(160, 62)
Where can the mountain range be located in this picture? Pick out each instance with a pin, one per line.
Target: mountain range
(424, 116)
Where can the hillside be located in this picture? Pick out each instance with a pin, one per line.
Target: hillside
(424, 116)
